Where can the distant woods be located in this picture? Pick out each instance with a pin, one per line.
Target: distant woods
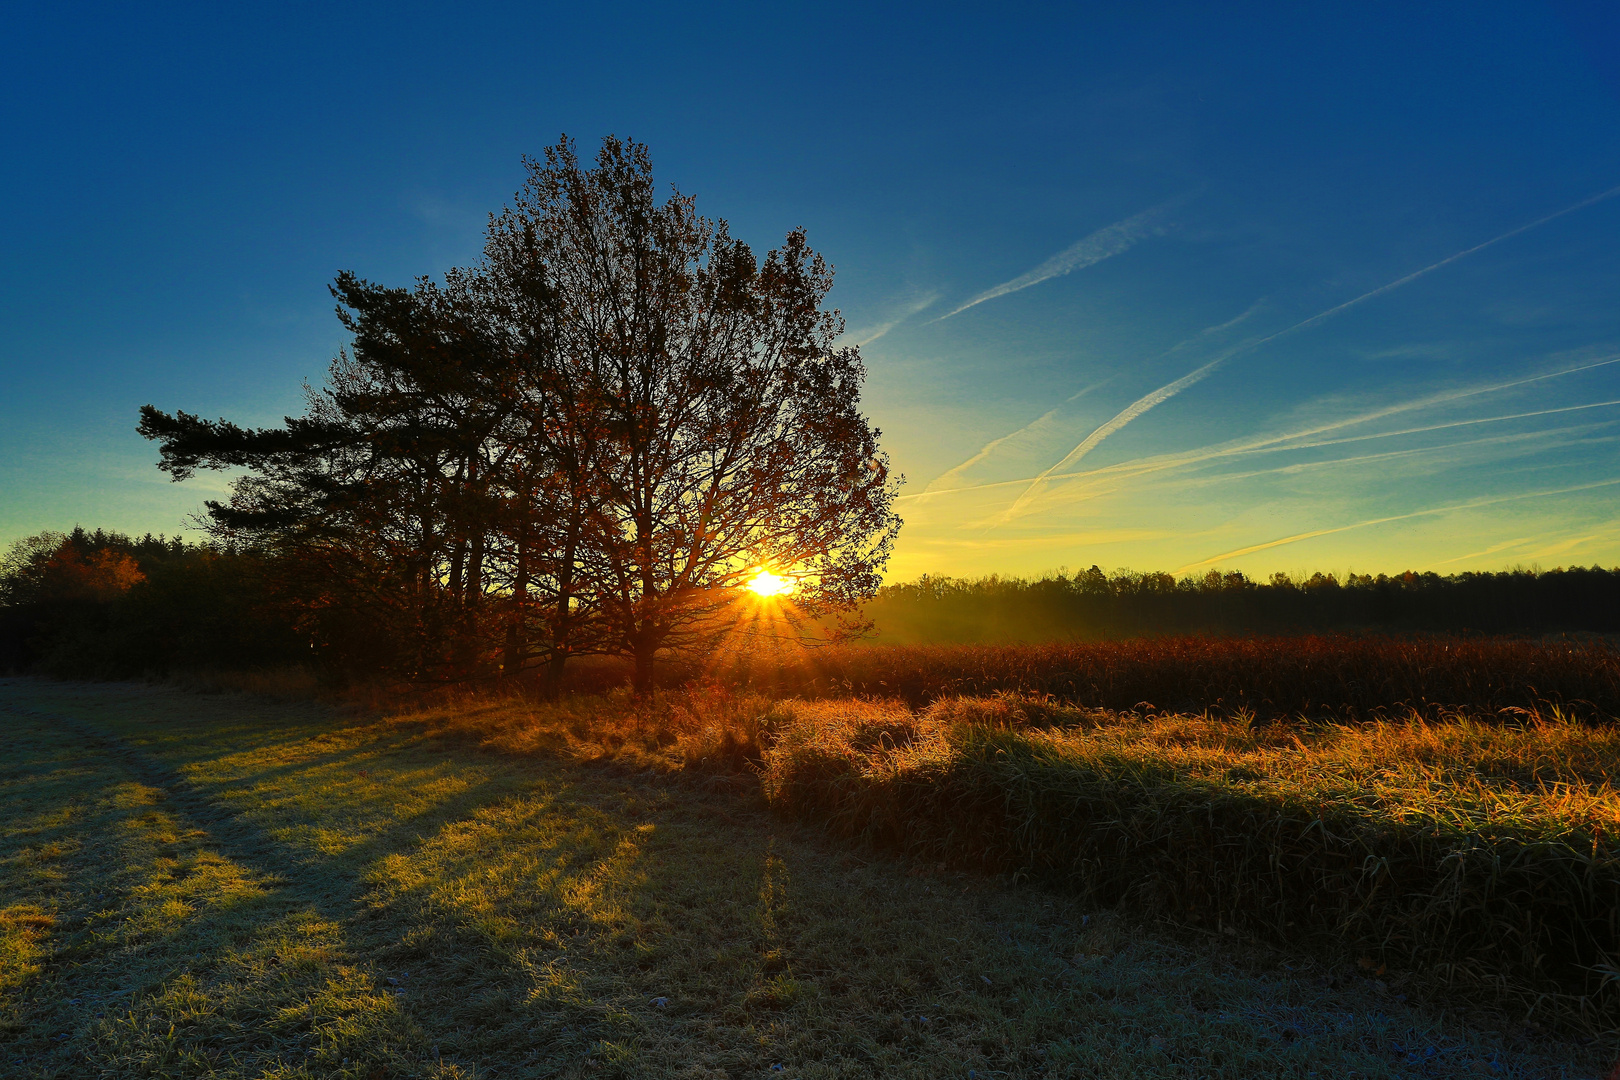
(102, 604)
(105, 605)
(1092, 604)
(583, 444)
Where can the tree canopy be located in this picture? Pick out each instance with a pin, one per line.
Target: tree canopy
(585, 443)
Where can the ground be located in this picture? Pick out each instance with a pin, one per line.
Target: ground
(228, 886)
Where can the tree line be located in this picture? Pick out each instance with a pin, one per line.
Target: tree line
(1095, 604)
(102, 604)
(585, 443)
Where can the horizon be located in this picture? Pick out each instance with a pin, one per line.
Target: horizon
(1176, 291)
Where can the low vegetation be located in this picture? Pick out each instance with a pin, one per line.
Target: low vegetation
(227, 886)
(1480, 855)
(1264, 678)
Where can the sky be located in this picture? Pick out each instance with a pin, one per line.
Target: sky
(1242, 287)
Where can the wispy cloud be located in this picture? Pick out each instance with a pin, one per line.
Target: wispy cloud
(946, 479)
(942, 482)
(868, 334)
(1441, 427)
(1105, 243)
(1605, 532)
(1448, 260)
(1289, 440)
(1169, 390)
(1475, 504)
(1120, 419)
(1505, 545)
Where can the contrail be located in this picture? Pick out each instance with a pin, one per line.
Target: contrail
(1446, 425)
(1121, 418)
(937, 483)
(1105, 243)
(1414, 275)
(1492, 550)
(1300, 467)
(1251, 549)
(871, 334)
(1164, 393)
(1284, 442)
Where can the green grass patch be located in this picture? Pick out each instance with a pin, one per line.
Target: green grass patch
(222, 886)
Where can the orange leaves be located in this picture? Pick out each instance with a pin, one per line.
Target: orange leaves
(100, 575)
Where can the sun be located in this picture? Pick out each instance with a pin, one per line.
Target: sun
(765, 583)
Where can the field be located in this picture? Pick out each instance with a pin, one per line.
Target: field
(1338, 677)
(226, 885)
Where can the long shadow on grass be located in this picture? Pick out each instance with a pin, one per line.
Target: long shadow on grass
(229, 920)
(547, 921)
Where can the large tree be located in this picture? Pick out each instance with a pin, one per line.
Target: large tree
(715, 424)
(586, 443)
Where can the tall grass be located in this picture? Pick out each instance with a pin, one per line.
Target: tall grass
(1485, 854)
(1481, 852)
(1333, 677)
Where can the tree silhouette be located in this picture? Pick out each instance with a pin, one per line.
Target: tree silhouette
(586, 443)
(713, 423)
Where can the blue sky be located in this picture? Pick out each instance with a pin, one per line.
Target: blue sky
(1135, 283)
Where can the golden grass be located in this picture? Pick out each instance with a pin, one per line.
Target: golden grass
(1478, 852)
(242, 888)
(1483, 854)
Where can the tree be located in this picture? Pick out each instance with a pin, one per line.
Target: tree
(586, 443)
(373, 501)
(710, 425)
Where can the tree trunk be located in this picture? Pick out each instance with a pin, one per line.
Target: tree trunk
(554, 673)
(517, 626)
(563, 624)
(475, 554)
(646, 646)
(457, 560)
(475, 570)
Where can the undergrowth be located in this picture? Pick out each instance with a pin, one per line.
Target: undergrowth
(1334, 677)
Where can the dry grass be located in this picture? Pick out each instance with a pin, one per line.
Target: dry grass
(225, 887)
(1479, 853)
(1324, 677)
(1485, 855)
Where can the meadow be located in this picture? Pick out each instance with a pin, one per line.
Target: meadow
(228, 885)
(1314, 676)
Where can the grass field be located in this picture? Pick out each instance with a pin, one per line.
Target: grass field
(1334, 676)
(228, 886)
